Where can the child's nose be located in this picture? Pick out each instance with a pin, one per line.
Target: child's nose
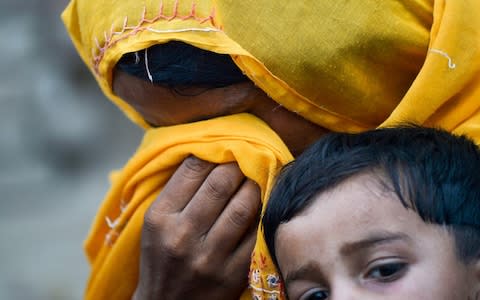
(347, 289)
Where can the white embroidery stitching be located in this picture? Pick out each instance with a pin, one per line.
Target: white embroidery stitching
(99, 52)
(263, 290)
(112, 224)
(150, 77)
(451, 64)
(208, 29)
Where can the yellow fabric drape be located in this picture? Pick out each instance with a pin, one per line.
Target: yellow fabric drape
(348, 66)
(345, 65)
(114, 249)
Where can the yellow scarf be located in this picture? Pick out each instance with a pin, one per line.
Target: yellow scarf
(345, 65)
(113, 245)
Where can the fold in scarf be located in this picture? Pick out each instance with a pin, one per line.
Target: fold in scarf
(345, 65)
(113, 245)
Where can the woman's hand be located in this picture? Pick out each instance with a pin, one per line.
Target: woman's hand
(198, 235)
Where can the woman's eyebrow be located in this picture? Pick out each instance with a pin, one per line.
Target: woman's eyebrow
(372, 240)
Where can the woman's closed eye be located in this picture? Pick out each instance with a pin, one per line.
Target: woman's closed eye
(315, 294)
(386, 270)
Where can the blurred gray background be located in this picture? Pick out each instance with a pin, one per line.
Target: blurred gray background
(59, 138)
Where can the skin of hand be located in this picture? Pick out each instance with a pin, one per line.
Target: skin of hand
(198, 234)
(204, 252)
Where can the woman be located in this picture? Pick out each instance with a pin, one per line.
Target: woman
(315, 67)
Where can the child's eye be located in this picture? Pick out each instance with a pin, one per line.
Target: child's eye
(315, 294)
(387, 272)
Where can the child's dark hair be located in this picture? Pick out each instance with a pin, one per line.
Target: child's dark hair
(431, 171)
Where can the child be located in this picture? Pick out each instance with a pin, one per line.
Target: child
(391, 213)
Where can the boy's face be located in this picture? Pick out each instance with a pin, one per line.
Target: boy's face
(357, 241)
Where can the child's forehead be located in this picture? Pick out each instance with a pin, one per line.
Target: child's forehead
(356, 210)
(359, 204)
(354, 195)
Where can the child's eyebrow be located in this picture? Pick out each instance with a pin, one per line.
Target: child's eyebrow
(372, 240)
(304, 271)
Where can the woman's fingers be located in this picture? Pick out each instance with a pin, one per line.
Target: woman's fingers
(239, 262)
(238, 217)
(212, 197)
(198, 234)
(182, 186)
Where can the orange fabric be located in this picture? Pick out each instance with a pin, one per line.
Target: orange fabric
(113, 245)
(345, 65)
